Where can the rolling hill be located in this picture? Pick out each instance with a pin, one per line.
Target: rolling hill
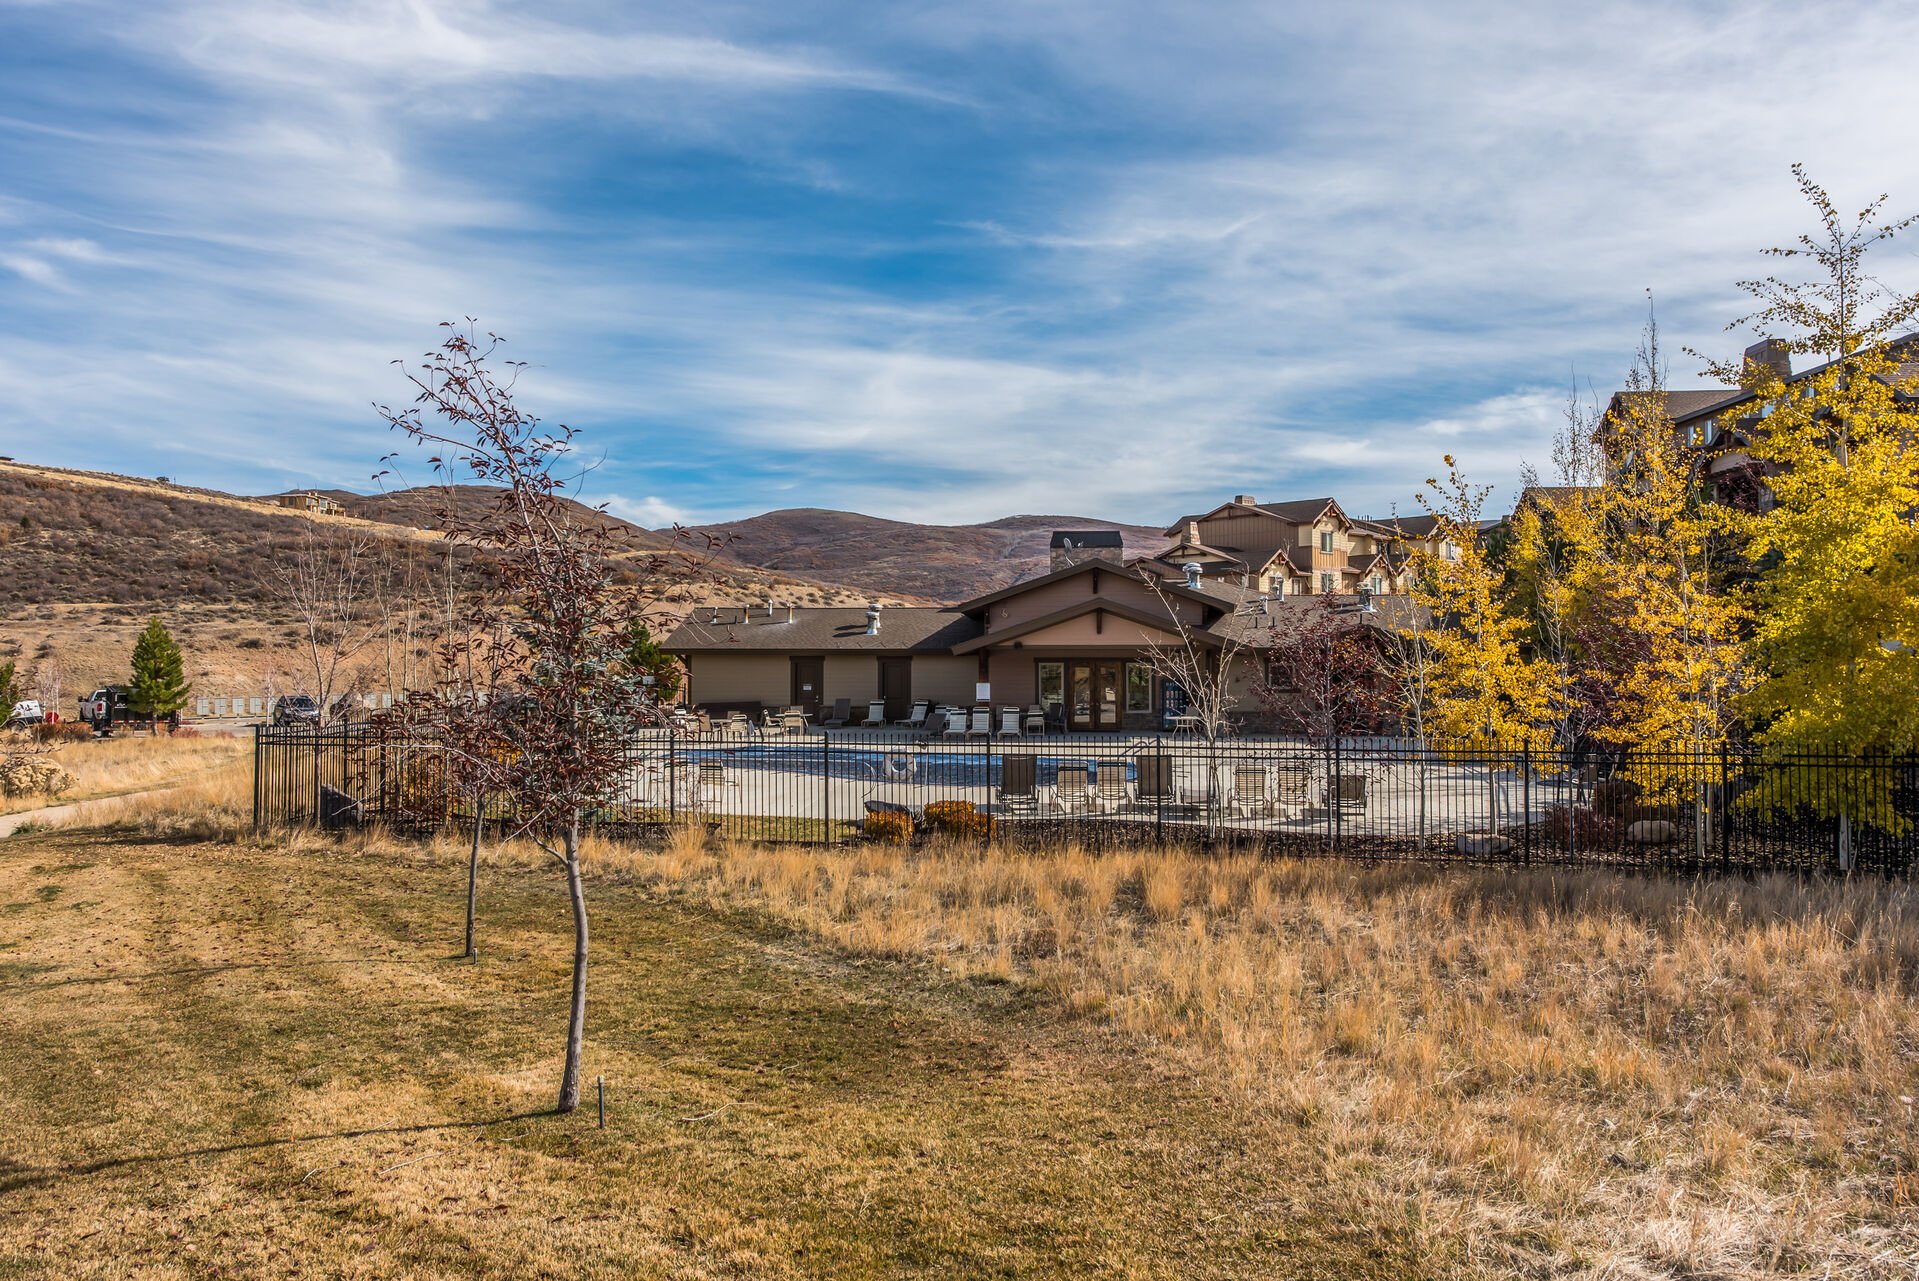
(946, 563)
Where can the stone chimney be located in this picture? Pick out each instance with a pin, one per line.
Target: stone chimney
(1769, 354)
(1244, 500)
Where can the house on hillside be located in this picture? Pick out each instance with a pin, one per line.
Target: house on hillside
(1721, 422)
(310, 502)
(1306, 547)
(1076, 641)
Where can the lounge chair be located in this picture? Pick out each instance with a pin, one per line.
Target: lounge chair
(842, 713)
(1019, 783)
(1074, 795)
(917, 719)
(1250, 793)
(1193, 784)
(981, 723)
(1155, 782)
(1349, 792)
(1009, 726)
(936, 724)
(875, 714)
(795, 721)
(710, 783)
(1292, 789)
(1111, 790)
(1035, 719)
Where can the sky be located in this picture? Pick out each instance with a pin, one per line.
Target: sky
(938, 262)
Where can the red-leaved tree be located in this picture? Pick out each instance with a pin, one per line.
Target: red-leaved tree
(542, 711)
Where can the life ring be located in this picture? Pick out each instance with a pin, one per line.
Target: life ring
(898, 767)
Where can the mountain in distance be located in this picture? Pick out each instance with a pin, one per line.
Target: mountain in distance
(947, 563)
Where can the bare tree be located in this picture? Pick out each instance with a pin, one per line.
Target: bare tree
(48, 680)
(1200, 663)
(330, 582)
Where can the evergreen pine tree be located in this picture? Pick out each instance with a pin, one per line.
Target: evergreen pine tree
(159, 673)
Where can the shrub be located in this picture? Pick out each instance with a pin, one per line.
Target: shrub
(958, 819)
(63, 732)
(889, 827)
(32, 776)
(1578, 827)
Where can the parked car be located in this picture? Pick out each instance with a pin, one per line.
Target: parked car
(26, 712)
(296, 709)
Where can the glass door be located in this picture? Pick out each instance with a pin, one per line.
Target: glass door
(1079, 691)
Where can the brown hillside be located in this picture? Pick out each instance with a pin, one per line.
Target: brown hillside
(941, 562)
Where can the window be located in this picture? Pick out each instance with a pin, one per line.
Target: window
(1052, 685)
(1448, 551)
(1377, 586)
(1326, 584)
(1326, 540)
(1139, 687)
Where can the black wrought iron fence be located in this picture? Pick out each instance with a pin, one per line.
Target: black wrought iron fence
(1728, 810)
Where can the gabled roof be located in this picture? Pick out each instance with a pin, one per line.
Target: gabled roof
(1300, 511)
(1079, 609)
(903, 628)
(1172, 587)
(1402, 526)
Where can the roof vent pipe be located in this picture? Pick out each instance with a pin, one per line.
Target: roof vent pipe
(789, 613)
(873, 619)
(1192, 574)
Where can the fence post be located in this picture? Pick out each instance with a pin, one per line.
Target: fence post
(1162, 777)
(672, 778)
(826, 786)
(1526, 795)
(1332, 793)
(259, 780)
(1725, 808)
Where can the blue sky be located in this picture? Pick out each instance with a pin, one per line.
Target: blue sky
(935, 262)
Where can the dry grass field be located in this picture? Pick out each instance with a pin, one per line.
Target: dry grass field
(129, 762)
(861, 1063)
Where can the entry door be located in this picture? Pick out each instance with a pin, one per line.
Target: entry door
(808, 673)
(896, 687)
(1093, 694)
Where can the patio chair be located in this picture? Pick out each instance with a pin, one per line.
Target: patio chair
(1035, 719)
(737, 725)
(875, 715)
(1155, 782)
(842, 713)
(1193, 785)
(710, 783)
(917, 718)
(1111, 790)
(1250, 793)
(795, 721)
(1019, 784)
(981, 723)
(1349, 792)
(772, 724)
(955, 723)
(1009, 726)
(1292, 789)
(1074, 794)
(936, 724)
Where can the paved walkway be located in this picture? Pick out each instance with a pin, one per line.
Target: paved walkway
(11, 823)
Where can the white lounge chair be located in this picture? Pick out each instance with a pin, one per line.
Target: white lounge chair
(1074, 794)
(772, 725)
(981, 723)
(917, 718)
(875, 714)
(955, 723)
(1111, 790)
(710, 785)
(1251, 796)
(1009, 726)
(1036, 719)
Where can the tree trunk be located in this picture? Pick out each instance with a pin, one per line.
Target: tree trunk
(473, 871)
(576, 1022)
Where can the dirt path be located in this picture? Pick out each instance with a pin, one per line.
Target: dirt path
(10, 823)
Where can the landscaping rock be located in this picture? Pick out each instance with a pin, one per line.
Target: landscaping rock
(1482, 844)
(1652, 831)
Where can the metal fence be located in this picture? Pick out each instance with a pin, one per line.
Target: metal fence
(1364, 798)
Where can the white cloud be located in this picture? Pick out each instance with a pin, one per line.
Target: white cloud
(651, 511)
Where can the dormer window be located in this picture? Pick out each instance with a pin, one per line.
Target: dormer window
(1326, 540)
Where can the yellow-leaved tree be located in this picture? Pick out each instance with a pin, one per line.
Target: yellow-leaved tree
(1674, 665)
(1836, 610)
(1482, 690)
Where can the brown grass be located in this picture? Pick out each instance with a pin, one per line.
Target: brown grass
(1594, 1073)
(131, 763)
(1576, 1073)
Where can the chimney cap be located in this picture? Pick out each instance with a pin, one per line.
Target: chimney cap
(1245, 500)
